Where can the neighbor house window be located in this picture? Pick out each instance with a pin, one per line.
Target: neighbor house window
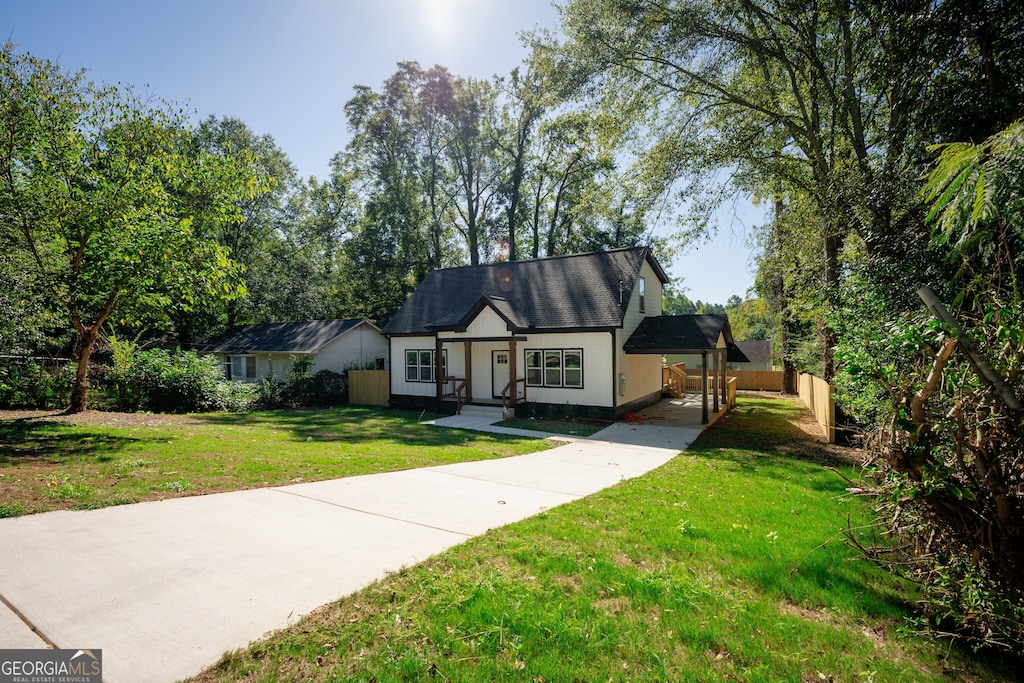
(419, 364)
(555, 368)
(243, 367)
(642, 288)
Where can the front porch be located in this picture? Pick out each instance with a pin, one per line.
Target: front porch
(507, 388)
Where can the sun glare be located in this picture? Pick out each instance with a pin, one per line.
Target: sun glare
(440, 18)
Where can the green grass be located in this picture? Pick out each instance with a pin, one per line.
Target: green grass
(726, 564)
(48, 466)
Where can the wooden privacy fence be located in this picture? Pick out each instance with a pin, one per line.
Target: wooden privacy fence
(816, 394)
(757, 380)
(369, 387)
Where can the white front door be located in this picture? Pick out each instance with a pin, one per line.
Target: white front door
(499, 372)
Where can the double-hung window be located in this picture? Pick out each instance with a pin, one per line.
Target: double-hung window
(555, 368)
(420, 364)
(243, 367)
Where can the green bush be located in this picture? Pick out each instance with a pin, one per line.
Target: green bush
(162, 381)
(302, 389)
(30, 385)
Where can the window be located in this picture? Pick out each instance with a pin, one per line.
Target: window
(573, 368)
(243, 367)
(642, 288)
(555, 368)
(419, 365)
(535, 368)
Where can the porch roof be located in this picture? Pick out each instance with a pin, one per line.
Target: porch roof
(680, 334)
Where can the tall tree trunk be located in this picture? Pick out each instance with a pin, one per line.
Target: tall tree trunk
(84, 345)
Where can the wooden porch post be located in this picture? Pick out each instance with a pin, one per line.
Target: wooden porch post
(715, 380)
(512, 370)
(725, 378)
(704, 386)
(468, 349)
(438, 378)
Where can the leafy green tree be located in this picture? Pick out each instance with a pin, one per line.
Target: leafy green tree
(791, 97)
(675, 301)
(95, 182)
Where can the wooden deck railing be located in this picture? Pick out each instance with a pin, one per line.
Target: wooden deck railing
(673, 379)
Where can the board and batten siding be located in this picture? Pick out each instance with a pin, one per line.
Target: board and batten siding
(399, 385)
(598, 383)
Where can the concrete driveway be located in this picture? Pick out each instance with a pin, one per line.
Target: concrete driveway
(165, 588)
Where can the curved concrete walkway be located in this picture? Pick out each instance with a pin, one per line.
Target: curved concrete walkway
(165, 588)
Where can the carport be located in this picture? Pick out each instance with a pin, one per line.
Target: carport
(708, 336)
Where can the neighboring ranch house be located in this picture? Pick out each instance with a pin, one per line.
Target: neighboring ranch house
(742, 355)
(268, 349)
(548, 334)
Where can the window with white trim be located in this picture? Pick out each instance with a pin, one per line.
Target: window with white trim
(243, 367)
(554, 368)
(419, 364)
(642, 288)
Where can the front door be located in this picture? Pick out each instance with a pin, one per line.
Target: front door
(499, 372)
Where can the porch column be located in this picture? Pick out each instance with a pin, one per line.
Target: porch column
(468, 350)
(715, 381)
(438, 379)
(725, 379)
(704, 386)
(512, 371)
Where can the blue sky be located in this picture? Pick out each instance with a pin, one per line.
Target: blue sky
(287, 67)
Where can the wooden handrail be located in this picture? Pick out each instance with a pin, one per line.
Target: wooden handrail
(457, 391)
(505, 391)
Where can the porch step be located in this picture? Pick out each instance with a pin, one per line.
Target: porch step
(470, 410)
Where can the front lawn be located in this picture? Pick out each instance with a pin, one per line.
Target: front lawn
(726, 564)
(101, 459)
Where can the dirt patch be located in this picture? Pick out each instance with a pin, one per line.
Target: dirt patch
(99, 417)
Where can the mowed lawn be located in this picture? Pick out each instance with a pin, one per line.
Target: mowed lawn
(100, 459)
(726, 564)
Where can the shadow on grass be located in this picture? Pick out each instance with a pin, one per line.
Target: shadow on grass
(27, 440)
(355, 424)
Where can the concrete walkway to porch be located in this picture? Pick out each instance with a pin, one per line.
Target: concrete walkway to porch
(669, 413)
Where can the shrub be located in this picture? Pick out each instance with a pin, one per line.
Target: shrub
(301, 389)
(31, 385)
(161, 381)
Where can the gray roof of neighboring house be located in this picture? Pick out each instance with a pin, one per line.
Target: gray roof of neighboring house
(301, 337)
(679, 334)
(751, 351)
(578, 291)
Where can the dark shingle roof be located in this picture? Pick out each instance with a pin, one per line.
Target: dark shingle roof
(557, 293)
(300, 337)
(751, 351)
(679, 334)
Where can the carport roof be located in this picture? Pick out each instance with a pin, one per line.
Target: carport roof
(680, 334)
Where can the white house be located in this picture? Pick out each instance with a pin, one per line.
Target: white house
(269, 349)
(545, 334)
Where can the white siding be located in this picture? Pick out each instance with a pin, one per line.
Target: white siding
(486, 324)
(358, 347)
(598, 383)
(399, 385)
(652, 300)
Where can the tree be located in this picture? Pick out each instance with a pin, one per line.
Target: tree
(97, 184)
(791, 93)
